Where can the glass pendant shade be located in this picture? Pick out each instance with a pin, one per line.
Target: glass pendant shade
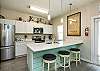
(49, 17)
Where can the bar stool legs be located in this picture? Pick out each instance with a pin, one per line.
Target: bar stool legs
(66, 57)
(49, 58)
(43, 67)
(64, 63)
(76, 59)
(76, 52)
(79, 58)
(69, 63)
(55, 67)
(48, 66)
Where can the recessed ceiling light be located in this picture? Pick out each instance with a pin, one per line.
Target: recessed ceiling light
(42, 10)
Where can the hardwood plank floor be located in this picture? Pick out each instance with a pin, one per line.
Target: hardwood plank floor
(19, 64)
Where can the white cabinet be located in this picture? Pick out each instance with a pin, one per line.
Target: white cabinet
(2, 21)
(20, 27)
(20, 48)
(29, 27)
(6, 21)
(48, 29)
(24, 27)
(12, 22)
(38, 25)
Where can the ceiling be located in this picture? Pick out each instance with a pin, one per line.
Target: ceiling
(55, 5)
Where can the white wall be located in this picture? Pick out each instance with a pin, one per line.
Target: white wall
(87, 12)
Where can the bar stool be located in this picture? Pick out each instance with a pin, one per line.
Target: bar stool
(49, 58)
(75, 51)
(66, 58)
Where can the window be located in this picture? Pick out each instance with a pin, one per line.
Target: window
(60, 32)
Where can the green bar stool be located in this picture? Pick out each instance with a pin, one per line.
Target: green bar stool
(49, 58)
(76, 52)
(66, 58)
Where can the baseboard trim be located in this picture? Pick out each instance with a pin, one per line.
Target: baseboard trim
(86, 60)
(21, 56)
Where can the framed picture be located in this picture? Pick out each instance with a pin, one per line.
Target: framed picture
(74, 24)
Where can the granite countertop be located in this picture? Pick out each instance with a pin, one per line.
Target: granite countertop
(43, 46)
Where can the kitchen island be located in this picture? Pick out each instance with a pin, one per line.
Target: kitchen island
(37, 50)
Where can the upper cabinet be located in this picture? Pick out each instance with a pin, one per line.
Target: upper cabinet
(20, 27)
(24, 27)
(27, 27)
(48, 29)
(12, 22)
(38, 25)
(5, 21)
(2, 21)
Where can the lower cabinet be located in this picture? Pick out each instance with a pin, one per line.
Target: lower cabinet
(20, 48)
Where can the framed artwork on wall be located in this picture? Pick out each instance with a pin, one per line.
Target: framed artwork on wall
(74, 24)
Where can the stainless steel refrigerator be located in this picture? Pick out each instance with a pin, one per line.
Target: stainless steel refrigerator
(7, 41)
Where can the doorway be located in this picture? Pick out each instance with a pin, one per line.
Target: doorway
(95, 46)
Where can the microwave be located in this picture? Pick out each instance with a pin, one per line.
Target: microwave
(37, 30)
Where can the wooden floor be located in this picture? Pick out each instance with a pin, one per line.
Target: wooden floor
(19, 64)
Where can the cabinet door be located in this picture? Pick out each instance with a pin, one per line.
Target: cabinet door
(20, 27)
(50, 29)
(20, 49)
(29, 27)
(17, 49)
(12, 22)
(38, 25)
(24, 49)
(47, 29)
(35, 24)
(6, 21)
(2, 21)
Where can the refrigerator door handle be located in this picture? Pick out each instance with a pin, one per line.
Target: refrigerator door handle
(5, 48)
(4, 26)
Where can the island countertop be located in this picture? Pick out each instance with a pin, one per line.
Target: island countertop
(43, 46)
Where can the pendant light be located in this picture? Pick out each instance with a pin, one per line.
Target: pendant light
(61, 11)
(36, 8)
(49, 17)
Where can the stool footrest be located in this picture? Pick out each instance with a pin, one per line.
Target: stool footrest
(66, 66)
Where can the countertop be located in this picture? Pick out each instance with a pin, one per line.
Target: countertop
(43, 46)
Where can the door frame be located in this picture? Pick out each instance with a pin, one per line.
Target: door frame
(93, 39)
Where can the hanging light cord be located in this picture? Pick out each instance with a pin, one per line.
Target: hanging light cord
(49, 12)
(49, 6)
(61, 5)
(70, 6)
